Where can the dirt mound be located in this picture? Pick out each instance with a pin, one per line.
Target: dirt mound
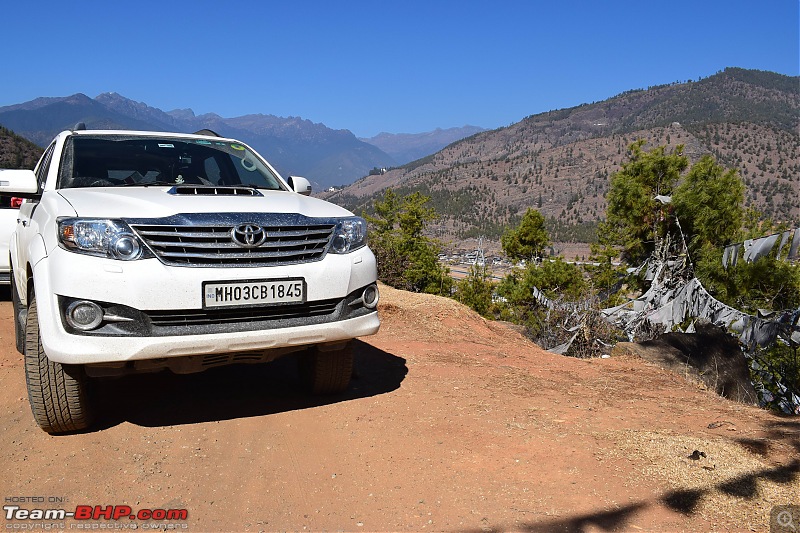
(426, 317)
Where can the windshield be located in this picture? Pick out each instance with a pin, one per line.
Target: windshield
(109, 161)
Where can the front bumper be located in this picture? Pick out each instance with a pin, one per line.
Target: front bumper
(158, 290)
(72, 349)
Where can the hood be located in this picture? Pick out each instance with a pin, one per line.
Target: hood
(158, 202)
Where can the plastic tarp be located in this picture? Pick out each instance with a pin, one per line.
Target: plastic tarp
(795, 245)
(668, 307)
(754, 249)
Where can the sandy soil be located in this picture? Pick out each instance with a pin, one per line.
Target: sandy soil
(452, 423)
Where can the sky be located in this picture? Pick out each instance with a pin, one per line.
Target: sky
(376, 66)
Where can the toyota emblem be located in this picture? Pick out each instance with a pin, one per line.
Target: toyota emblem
(248, 235)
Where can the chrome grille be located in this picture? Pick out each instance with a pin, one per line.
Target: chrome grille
(213, 245)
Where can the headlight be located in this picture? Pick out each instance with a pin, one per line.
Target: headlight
(100, 237)
(350, 234)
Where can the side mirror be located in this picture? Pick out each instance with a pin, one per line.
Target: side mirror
(20, 183)
(300, 185)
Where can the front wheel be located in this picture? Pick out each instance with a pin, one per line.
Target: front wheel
(57, 393)
(328, 372)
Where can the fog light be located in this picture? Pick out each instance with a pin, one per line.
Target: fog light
(84, 315)
(370, 297)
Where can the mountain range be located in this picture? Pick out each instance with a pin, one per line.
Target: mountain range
(295, 146)
(480, 182)
(407, 147)
(560, 162)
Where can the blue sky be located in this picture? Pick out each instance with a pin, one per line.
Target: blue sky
(371, 66)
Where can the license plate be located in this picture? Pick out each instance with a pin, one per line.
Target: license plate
(253, 293)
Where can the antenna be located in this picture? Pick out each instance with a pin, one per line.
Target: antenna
(480, 259)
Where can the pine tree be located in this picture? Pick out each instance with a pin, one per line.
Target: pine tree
(528, 240)
(634, 218)
(407, 259)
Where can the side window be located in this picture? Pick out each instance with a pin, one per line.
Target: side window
(44, 166)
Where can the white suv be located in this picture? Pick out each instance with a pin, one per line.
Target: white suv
(140, 251)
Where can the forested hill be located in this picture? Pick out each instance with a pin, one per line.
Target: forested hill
(16, 151)
(560, 161)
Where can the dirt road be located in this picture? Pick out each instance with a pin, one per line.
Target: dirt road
(452, 424)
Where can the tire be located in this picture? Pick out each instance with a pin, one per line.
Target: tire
(58, 393)
(328, 372)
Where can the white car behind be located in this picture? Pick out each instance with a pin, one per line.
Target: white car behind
(9, 211)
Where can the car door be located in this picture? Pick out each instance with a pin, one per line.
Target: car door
(26, 232)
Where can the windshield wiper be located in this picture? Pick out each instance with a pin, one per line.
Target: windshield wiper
(148, 183)
(254, 186)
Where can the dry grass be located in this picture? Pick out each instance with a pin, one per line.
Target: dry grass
(518, 383)
(729, 485)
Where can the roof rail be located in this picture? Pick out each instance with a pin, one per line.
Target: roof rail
(207, 132)
(79, 126)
